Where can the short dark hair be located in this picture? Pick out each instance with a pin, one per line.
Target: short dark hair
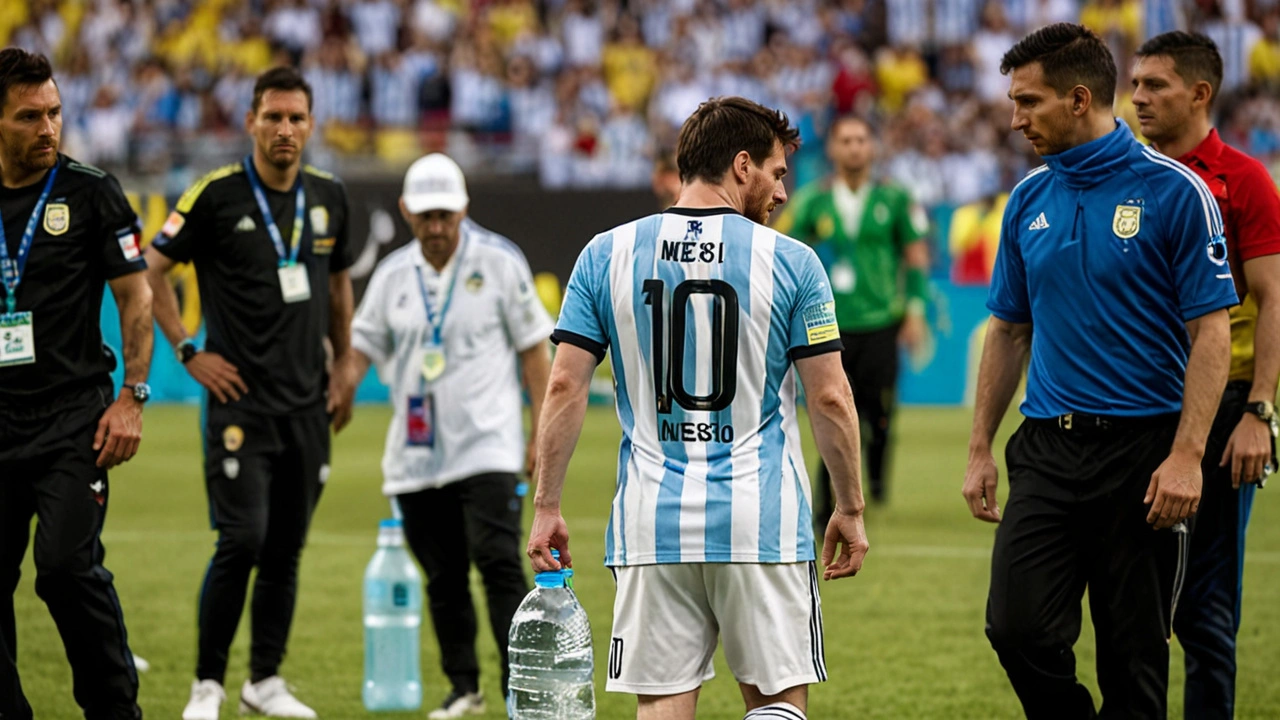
(19, 67)
(1070, 55)
(721, 128)
(850, 118)
(1195, 57)
(284, 78)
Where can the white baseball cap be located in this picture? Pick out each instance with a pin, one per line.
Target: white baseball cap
(434, 182)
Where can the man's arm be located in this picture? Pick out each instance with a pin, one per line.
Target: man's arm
(1004, 352)
(1249, 448)
(835, 430)
(1174, 492)
(535, 367)
(120, 429)
(341, 392)
(209, 369)
(164, 299)
(915, 258)
(563, 409)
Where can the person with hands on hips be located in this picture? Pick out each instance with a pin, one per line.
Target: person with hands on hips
(269, 240)
(454, 326)
(1112, 276)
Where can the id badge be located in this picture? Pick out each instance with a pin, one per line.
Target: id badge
(294, 283)
(432, 362)
(17, 339)
(843, 278)
(421, 419)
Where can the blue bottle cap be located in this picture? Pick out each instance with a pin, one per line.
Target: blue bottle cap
(554, 578)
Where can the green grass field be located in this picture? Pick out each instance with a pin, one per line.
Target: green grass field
(904, 639)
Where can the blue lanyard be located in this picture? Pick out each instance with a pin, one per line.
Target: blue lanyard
(289, 257)
(13, 269)
(436, 322)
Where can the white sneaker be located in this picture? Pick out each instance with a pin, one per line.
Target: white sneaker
(459, 704)
(272, 698)
(141, 665)
(206, 700)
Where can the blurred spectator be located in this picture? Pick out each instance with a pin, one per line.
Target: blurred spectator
(583, 34)
(107, 126)
(393, 92)
(992, 41)
(1235, 37)
(630, 68)
(376, 24)
(295, 24)
(1264, 59)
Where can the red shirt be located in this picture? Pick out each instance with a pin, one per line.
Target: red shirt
(1247, 197)
(1250, 206)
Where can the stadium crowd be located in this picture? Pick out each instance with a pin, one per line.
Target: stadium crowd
(584, 92)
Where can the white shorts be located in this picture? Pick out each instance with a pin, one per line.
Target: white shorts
(666, 620)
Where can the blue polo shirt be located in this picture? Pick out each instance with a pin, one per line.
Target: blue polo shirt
(1108, 250)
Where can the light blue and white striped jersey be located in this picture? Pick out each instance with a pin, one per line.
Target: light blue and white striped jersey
(703, 313)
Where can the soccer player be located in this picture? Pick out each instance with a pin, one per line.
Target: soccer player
(65, 231)
(268, 237)
(870, 238)
(1113, 256)
(452, 322)
(1176, 80)
(709, 316)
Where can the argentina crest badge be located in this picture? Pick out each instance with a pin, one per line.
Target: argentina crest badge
(320, 220)
(57, 218)
(1127, 221)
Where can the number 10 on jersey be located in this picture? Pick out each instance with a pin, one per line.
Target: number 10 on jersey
(668, 376)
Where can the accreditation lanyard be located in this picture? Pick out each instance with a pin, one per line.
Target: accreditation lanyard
(288, 256)
(435, 322)
(13, 269)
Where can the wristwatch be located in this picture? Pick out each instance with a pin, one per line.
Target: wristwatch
(186, 350)
(1266, 412)
(141, 391)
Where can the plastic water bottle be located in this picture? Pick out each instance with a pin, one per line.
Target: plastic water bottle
(550, 653)
(392, 618)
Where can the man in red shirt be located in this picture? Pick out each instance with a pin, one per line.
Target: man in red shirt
(1176, 79)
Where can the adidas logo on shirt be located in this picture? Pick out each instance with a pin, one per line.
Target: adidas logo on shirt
(246, 224)
(1040, 223)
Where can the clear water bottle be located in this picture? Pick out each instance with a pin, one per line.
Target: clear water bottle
(392, 618)
(550, 653)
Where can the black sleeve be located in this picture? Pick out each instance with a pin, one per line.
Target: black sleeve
(180, 238)
(342, 257)
(119, 231)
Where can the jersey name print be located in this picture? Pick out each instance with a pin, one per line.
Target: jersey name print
(704, 313)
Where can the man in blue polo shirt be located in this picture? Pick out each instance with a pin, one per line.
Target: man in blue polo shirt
(1113, 275)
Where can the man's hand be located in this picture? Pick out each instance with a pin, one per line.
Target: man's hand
(1174, 492)
(844, 529)
(913, 332)
(1248, 451)
(548, 532)
(342, 394)
(981, 478)
(119, 431)
(217, 376)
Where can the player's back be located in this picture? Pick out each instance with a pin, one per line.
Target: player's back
(704, 313)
